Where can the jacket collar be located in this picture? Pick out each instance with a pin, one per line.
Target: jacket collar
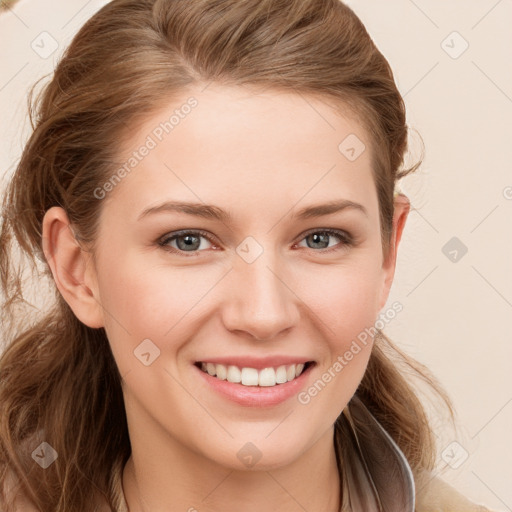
(376, 475)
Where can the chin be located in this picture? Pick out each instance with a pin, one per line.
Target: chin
(255, 453)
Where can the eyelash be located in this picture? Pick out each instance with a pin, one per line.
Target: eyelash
(346, 240)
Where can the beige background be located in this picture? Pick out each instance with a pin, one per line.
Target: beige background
(457, 307)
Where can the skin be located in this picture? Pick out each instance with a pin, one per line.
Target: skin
(262, 157)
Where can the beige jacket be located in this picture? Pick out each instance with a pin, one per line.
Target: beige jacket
(437, 496)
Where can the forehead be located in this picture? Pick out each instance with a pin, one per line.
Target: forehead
(241, 145)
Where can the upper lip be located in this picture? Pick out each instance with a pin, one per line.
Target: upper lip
(256, 362)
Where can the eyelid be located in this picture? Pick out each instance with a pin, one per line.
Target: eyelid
(341, 233)
(347, 240)
(346, 237)
(182, 232)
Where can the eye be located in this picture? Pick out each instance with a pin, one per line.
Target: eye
(187, 241)
(319, 238)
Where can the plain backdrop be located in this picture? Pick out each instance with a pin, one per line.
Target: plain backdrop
(452, 63)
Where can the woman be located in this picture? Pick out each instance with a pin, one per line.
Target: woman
(203, 352)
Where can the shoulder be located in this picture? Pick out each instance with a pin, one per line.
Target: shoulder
(433, 494)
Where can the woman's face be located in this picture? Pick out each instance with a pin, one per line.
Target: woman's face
(257, 284)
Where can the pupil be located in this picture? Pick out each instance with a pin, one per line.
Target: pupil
(189, 240)
(320, 238)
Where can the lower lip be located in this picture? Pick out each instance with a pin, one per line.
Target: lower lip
(256, 396)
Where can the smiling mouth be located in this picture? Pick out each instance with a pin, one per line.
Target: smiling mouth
(246, 376)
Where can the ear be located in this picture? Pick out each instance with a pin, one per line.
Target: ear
(71, 269)
(402, 207)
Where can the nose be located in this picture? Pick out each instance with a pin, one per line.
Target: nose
(261, 302)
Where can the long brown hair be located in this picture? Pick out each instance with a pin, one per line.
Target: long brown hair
(59, 382)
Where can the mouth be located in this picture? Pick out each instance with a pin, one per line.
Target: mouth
(253, 377)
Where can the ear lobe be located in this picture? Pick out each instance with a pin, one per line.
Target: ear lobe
(68, 263)
(402, 208)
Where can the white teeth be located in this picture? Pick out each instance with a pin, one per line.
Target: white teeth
(234, 374)
(266, 377)
(222, 371)
(281, 377)
(249, 377)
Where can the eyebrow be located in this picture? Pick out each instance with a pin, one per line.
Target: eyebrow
(212, 212)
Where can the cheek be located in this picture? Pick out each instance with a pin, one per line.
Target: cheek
(146, 297)
(345, 300)
(138, 305)
(153, 302)
(346, 308)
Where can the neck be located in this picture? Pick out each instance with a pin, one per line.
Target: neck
(171, 477)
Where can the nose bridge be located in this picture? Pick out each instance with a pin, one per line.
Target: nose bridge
(261, 301)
